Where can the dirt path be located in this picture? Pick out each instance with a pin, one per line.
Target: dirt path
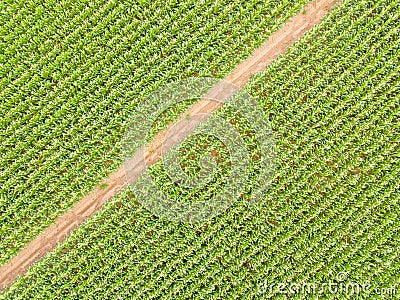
(48, 240)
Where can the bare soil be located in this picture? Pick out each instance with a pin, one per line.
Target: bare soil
(276, 45)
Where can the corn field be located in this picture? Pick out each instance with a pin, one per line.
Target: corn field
(72, 73)
(332, 102)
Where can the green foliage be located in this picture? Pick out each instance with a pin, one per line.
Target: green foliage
(333, 102)
(73, 71)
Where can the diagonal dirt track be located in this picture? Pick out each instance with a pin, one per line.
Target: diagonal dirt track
(272, 48)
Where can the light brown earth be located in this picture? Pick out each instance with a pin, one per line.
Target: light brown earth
(276, 45)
